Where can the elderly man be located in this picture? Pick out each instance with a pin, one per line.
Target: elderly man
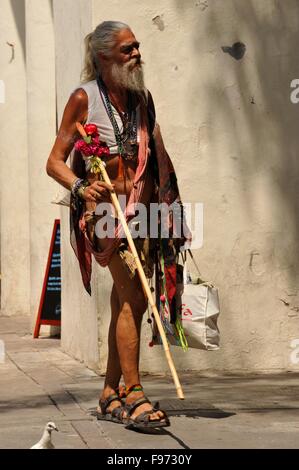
(114, 98)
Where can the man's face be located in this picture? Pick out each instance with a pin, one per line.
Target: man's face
(126, 49)
(125, 62)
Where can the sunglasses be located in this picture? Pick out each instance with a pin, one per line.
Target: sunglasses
(130, 47)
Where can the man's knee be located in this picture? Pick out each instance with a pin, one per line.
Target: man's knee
(137, 302)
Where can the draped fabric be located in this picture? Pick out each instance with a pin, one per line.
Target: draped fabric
(151, 152)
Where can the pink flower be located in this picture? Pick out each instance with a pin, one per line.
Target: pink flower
(95, 139)
(103, 150)
(95, 147)
(82, 146)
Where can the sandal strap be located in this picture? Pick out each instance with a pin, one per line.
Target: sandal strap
(145, 417)
(140, 401)
(105, 403)
(117, 412)
(156, 407)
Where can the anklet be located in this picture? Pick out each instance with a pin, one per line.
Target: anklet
(134, 388)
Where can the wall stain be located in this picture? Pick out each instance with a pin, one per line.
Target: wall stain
(202, 5)
(12, 51)
(237, 50)
(293, 308)
(158, 21)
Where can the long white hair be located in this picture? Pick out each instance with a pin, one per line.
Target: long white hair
(101, 40)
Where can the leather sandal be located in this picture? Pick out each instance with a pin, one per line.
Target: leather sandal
(143, 420)
(115, 415)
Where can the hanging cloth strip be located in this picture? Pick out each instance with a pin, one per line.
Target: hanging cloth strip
(165, 178)
(79, 239)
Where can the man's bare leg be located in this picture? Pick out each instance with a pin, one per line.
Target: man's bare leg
(113, 372)
(127, 330)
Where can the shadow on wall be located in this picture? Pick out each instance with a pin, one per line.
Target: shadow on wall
(264, 97)
(18, 8)
(262, 122)
(51, 8)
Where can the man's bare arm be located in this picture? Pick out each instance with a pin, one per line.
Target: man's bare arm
(75, 111)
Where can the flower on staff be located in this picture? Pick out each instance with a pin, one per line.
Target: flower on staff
(91, 147)
(91, 129)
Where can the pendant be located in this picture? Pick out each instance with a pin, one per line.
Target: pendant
(130, 149)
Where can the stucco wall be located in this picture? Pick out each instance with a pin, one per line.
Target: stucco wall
(41, 125)
(79, 310)
(231, 131)
(14, 199)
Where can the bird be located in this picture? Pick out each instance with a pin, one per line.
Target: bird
(45, 441)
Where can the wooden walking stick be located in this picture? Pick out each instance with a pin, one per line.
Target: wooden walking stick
(142, 276)
(144, 283)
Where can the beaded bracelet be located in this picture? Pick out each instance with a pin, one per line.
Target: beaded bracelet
(76, 185)
(81, 189)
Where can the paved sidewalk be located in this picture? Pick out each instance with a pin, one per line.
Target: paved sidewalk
(39, 383)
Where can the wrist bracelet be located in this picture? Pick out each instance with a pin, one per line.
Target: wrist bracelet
(76, 185)
(82, 188)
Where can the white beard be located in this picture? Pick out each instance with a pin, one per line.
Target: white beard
(123, 76)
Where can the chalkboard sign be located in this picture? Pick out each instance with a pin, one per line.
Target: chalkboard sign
(49, 312)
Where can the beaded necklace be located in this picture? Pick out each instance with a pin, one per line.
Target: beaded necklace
(127, 141)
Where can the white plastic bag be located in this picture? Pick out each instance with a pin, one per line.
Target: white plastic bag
(198, 310)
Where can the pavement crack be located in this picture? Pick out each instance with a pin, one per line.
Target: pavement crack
(27, 374)
(54, 402)
(104, 435)
(75, 400)
(79, 434)
(23, 371)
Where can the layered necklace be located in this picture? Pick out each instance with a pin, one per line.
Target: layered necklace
(127, 140)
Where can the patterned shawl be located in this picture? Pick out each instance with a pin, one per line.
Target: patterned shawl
(151, 152)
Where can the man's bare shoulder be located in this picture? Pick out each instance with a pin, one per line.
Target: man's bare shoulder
(79, 97)
(77, 105)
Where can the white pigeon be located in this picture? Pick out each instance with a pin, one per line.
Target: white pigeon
(45, 442)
